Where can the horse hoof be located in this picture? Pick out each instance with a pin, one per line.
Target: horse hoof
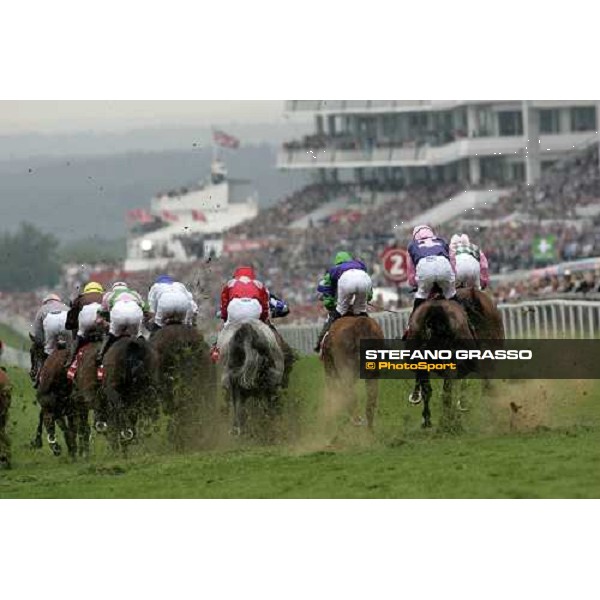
(56, 449)
(101, 426)
(358, 421)
(426, 425)
(414, 398)
(461, 407)
(236, 432)
(36, 443)
(51, 439)
(4, 462)
(127, 435)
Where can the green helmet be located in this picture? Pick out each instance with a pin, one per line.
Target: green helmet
(341, 257)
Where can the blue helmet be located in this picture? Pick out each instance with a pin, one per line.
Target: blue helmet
(164, 279)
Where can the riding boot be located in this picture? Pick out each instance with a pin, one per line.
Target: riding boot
(75, 347)
(333, 315)
(106, 344)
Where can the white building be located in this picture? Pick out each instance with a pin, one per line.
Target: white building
(187, 225)
(432, 140)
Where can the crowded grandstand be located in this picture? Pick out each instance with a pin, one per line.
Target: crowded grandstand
(539, 227)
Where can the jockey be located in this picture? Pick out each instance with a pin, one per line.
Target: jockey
(49, 325)
(243, 298)
(345, 289)
(82, 316)
(471, 263)
(170, 300)
(125, 309)
(430, 262)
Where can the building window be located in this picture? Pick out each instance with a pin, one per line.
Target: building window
(583, 118)
(510, 122)
(549, 121)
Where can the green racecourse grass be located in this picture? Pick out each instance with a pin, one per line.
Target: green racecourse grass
(13, 339)
(549, 448)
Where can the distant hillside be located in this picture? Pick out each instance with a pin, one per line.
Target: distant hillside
(82, 196)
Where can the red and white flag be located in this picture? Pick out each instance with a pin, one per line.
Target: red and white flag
(225, 140)
(198, 215)
(167, 215)
(138, 215)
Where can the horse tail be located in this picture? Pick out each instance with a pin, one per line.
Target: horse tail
(437, 321)
(253, 357)
(135, 361)
(365, 328)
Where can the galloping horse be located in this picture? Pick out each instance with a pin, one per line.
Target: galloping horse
(86, 394)
(253, 368)
(5, 397)
(186, 382)
(54, 398)
(128, 389)
(439, 324)
(341, 358)
(484, 316)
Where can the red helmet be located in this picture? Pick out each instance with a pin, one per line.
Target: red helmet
(244, 272)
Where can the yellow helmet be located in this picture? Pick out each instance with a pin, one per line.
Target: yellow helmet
(93, 286)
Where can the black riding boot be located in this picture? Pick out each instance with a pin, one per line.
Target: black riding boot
(333, 315)
(106, 344)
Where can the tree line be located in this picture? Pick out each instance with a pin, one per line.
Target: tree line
(31, 259)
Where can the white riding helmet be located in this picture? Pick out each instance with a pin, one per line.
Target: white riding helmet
(455, 240)
(119, 285)
(422, 232)
(464, 239)
(51, 297)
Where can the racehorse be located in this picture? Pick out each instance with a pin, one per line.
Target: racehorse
(54, 398)
(486, 322)
(341, 359)
(484, 316)
(186, 382)
(128, 390)
(253, 368)
(86, 393)
(442, 324)
(5, 398)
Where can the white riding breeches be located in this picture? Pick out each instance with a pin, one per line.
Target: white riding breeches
(126, 318)
(173, 305)
(87, 318)
(435, 269)
(54, 330)
(243, 309)
(353, 289)
(468, 271)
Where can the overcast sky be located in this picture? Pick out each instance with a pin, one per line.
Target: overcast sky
(64, 116)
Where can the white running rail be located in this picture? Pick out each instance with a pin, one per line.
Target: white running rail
(536, 319)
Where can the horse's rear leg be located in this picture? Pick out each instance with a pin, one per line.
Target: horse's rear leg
(425, 390)
(4, 440)
(67, 426)
(372, 395)
(239, 412)
(450, 418)
(50, 425)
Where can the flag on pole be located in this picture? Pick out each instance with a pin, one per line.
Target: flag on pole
(544, 247)
(225, 140)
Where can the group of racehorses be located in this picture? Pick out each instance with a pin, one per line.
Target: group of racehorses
(172, 374)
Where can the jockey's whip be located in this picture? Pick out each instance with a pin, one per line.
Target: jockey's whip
(377, 307)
